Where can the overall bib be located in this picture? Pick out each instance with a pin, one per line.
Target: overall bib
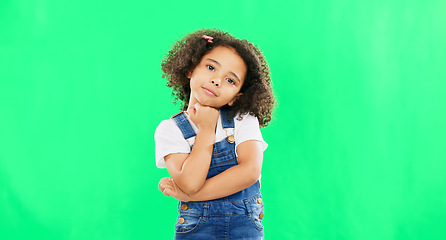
(237, 216)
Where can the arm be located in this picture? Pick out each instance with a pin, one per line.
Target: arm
(189, 170)
(234, 179)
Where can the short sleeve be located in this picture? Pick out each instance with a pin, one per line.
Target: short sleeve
(168, 140)
(248, 129)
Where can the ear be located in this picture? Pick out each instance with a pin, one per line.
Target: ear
(235, 99)
(189, 74)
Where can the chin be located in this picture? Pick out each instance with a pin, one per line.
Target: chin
(211, 105)
(206, 103)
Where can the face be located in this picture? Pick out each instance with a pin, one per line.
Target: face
(218, 78)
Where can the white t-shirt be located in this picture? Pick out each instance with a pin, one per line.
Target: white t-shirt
(169, 139)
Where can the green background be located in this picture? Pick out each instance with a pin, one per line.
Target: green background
(357, 147)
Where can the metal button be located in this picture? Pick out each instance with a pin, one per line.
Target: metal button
(259, 201)
(184, 207)
(231, 139)
(261, 215)
(181, 220)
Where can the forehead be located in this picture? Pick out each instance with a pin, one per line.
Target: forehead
(227, 57)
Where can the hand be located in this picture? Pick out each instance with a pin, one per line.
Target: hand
(170, 188)
(203, 116)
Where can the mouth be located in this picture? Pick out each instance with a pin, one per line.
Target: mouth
(209, 92)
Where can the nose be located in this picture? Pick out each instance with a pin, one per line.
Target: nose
(216, 81)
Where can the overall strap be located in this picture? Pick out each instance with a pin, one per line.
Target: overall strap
(226, 121)
(184, 125)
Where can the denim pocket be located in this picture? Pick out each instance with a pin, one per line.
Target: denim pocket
(256, 217)
(187, 224)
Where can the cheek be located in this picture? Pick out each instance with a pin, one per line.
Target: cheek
(201, 75)
(232, 94)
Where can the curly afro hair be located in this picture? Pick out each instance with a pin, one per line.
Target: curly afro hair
(257, 98)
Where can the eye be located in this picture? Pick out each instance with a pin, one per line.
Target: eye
(210, 67)
(230, 81)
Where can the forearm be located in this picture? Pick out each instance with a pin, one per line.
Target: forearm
(226, 183)
(192, 175)
(232, 180)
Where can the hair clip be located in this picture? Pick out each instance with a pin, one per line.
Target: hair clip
(207, 38)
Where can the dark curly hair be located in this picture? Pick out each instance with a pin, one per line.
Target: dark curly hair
(257, 98)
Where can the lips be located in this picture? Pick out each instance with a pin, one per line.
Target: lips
(209, 92)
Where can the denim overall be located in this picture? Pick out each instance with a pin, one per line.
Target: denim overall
(237, 216)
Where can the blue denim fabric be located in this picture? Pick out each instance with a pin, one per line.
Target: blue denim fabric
(232, 217)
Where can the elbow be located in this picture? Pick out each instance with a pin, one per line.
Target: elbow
(191, 191)
(190, 188)
(253, 175)
(188, 184)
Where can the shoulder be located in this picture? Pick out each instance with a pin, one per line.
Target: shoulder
(247, 128)
(168, 129)
(165, 126)
(246, 120)
(168, 139)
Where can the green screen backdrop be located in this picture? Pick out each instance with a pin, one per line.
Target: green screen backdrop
(357, 146)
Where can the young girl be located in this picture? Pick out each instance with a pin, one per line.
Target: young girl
(213, 149)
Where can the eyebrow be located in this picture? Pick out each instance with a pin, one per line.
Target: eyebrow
(214, 61)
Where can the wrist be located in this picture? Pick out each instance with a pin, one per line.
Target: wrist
(207, 131)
